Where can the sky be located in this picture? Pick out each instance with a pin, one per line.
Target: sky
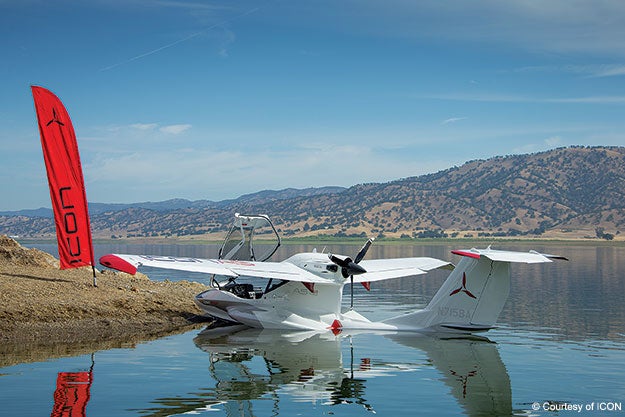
(216, 99)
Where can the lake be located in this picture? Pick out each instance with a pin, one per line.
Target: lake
(559, 347)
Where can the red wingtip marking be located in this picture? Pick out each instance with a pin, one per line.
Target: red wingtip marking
(367, 285)
(336, 327)
(115, 262)
(467, 254)
(310, 286)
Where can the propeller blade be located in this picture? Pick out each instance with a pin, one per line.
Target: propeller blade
(342, 262)
(363, 251)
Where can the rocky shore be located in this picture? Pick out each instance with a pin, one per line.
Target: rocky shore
(43, 305)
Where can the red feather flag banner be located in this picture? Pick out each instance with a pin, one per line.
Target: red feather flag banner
(67, 186)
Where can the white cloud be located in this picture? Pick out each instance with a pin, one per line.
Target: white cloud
(136, 130)
(453, 120)
(553, 141)
(144, 126)
(587, 71)
(175, 129)
(514, 98)
(563, 26)
(201, 173)
(609, 71)
(549, 143)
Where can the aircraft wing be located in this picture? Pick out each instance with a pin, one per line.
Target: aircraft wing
(230, 268)
(381, 269)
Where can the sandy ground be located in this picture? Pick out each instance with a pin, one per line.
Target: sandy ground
(41, 305)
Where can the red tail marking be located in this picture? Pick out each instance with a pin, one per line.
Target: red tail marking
(310, 286)
(463, 288)
(367, 285)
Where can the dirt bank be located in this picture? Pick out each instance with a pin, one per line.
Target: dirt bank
(40, 304)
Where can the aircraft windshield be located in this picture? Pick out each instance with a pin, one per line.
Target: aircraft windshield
(250, 238)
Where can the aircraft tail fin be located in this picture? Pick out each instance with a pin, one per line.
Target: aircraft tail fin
(474, 294)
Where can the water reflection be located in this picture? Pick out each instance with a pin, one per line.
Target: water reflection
(250, 366)
(72, 393)
(471, 368)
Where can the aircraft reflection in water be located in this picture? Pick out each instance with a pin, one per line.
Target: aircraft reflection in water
(306, 365)
(254, 364)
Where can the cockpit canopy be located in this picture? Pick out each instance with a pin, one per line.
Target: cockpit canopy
(250, 238)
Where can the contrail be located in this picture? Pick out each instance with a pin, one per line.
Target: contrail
(169, 45)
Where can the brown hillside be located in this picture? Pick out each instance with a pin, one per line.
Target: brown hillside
(566, 192)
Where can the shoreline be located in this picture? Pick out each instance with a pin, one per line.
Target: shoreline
(314, 240)
(45, 306)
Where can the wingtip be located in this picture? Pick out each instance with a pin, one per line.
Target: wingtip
(117, 263)
(549, 256)
(557, 257)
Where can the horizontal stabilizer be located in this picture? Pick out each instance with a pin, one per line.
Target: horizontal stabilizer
(531, 257)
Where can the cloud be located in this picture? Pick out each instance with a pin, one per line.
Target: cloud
(228, 38)
(587, 71)
(513, 98)
(144, 126)
(549, 143)
(206, 173)
(609, 71)
(562, 26)
(453, 120)
(175, 129)
(553, 141)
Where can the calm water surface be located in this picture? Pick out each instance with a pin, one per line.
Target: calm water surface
(560, 345)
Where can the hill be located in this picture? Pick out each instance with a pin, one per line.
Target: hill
(565, 192)
(181, 203)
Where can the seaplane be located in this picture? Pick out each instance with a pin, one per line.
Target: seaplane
(305, 291)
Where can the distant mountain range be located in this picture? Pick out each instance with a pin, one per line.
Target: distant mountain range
(180, 203)
(565, 192)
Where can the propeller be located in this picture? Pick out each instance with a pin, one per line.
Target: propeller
(350, 267)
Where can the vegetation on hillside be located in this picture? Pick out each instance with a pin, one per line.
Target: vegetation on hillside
(578, 191)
